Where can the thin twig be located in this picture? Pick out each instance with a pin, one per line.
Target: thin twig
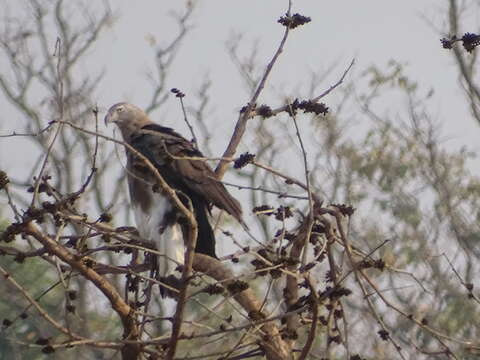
(243, 118)
(16, 213)
(280, 194)
(43, 313)
(469, 287)
(288, 179)
(334, 86)
(309, 189)
(190, 127)
(313, 328)
(34, 134)
(286, 107)
(58, 53)
(191, 241)
(357, 273)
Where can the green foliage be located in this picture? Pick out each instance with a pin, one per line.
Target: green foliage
(26, 326)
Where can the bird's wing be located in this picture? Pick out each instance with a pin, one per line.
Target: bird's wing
(174, 157)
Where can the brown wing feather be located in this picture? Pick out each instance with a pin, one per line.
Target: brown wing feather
(170, 153)
(201, 179)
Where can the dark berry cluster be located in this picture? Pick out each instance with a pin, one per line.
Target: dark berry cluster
(243, 160)
(292, 21)
(345, 210)
(264, 111)
(177, 93)
(307, 106)
(469, 41)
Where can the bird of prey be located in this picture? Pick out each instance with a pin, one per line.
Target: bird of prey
(157, 218)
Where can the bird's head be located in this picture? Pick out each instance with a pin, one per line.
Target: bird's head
(123, 112)
(128, 117)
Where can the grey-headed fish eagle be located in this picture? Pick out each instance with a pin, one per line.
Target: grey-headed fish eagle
(157, 219)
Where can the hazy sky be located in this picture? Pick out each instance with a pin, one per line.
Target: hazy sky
(372, 32)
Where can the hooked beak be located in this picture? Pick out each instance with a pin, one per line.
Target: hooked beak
(107, 118)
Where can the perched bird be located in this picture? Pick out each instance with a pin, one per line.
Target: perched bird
(157, 218)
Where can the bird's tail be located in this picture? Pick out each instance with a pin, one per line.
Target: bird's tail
(206, 237)
(205, 245)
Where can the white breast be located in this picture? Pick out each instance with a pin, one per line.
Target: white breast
(169, 242)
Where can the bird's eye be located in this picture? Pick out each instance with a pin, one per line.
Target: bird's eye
(120, 109)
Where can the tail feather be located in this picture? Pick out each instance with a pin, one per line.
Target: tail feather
(205, 237)
(205, 245)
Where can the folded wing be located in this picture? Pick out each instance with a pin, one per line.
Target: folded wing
(175, 159)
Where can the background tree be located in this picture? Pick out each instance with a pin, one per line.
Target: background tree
(392, 279)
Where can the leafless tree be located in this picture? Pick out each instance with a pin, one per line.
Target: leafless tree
(368, 244)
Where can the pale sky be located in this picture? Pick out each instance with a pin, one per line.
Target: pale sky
(373, 32)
